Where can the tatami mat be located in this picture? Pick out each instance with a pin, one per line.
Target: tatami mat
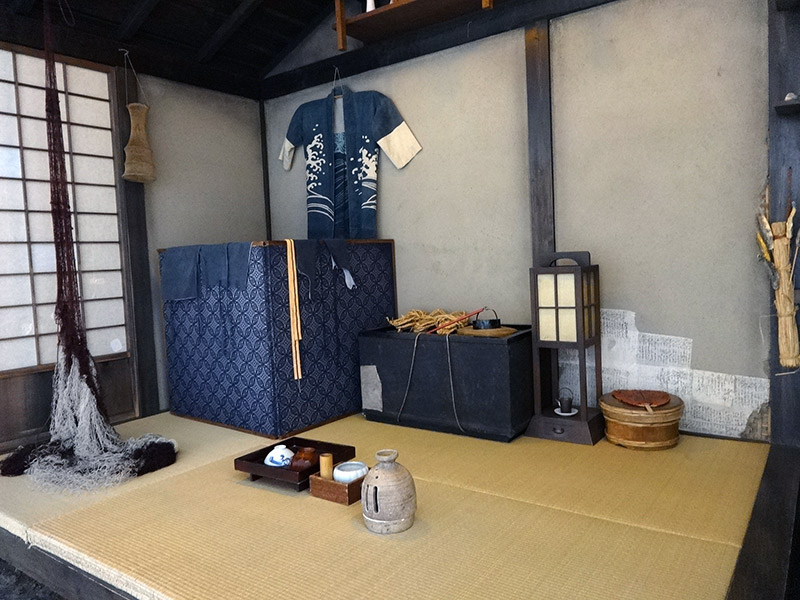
(530, 519)
(703, 488)
(208, 534)
(22, 505)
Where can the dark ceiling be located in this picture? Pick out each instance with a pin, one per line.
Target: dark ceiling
(227, 45)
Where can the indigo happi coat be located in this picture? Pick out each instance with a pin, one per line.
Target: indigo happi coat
(342, 141)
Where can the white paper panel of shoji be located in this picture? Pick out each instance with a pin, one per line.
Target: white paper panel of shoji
(101, 284)
(107, 341)
(96, 198)
(34, 134)
(48, 349)
(30, 70)
(31, 103)
(11, 194)
(44, 258)
(97, 257)
(90, 169)
(44, 286)
(87, 81)
(10, 164)
(104, 313)
(37, 165)
(88, 140)
(16, 322)
(8, 130)
(13, 258)
(98, 228)
(8, 99)
(6, 65)
(39, 195)
(87, 111)
(15, 290)
(45, 319)
(16, 354)
(41, 227)
(12, 227)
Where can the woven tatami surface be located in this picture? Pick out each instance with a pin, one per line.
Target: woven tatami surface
(206, 535)
(22, 505)
(530, 519)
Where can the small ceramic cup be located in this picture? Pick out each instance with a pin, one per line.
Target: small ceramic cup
(279, 456)
(349, 471)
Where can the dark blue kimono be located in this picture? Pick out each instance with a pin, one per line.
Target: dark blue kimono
(342, 175)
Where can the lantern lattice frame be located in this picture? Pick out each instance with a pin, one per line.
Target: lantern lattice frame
(565, 312)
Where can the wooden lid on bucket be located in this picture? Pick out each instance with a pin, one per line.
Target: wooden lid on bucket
(666, 413)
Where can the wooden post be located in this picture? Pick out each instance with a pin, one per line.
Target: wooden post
(341, 25)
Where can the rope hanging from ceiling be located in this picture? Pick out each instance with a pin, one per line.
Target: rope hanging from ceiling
(84, 451)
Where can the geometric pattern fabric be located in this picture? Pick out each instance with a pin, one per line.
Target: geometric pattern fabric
(229, 351)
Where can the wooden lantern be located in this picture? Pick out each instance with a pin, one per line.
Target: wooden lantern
(139, 165)
(565, 312)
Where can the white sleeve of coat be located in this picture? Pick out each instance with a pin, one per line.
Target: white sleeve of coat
(286, 155)
(400, 145)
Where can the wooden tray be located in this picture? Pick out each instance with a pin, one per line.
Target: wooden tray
(342, 493)
(253, 463)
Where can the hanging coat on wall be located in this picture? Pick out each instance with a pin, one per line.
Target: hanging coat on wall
(342, 167)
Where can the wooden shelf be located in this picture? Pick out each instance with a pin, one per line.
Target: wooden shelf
(401, 17)
(788, 107)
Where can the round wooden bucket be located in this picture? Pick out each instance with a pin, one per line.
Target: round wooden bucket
(636, 427)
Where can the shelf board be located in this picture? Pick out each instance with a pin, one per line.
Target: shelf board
(788, 107)
(406, 15)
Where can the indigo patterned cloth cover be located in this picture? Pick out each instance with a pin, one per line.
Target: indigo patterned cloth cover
(229, 351)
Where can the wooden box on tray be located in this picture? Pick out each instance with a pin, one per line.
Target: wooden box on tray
(342, 493)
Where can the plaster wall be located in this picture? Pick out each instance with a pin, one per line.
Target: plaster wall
(459, 211)
(659, 128)
(209, 187)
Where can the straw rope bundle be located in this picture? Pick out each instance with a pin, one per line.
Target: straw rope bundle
(419, 320)
(774, 241)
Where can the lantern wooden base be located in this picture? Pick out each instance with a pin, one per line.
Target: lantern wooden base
(550, 426)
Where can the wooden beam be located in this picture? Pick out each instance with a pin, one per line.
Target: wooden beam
(341, 26)
(55, 573)
(509, 15)
(262, 117)
(784, 152)
(137, 15)
(134, 226)
(540, 135)
(150, 57)
(227, 29)
(767, 553)
(24, 7)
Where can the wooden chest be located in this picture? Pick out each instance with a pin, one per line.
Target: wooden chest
(637, 427)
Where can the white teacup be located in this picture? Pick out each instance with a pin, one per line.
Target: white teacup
(279, 456)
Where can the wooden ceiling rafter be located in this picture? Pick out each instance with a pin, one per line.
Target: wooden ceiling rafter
(227, 29)
(23, 7)
(136, 17)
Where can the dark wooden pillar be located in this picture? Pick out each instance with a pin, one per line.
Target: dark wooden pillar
(540, 138)
(784, 152)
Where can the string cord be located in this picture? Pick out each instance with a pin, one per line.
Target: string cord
(411, 373)
(71, 20)
(126, 61)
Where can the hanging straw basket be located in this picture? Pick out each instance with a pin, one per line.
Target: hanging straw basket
(139, 165)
